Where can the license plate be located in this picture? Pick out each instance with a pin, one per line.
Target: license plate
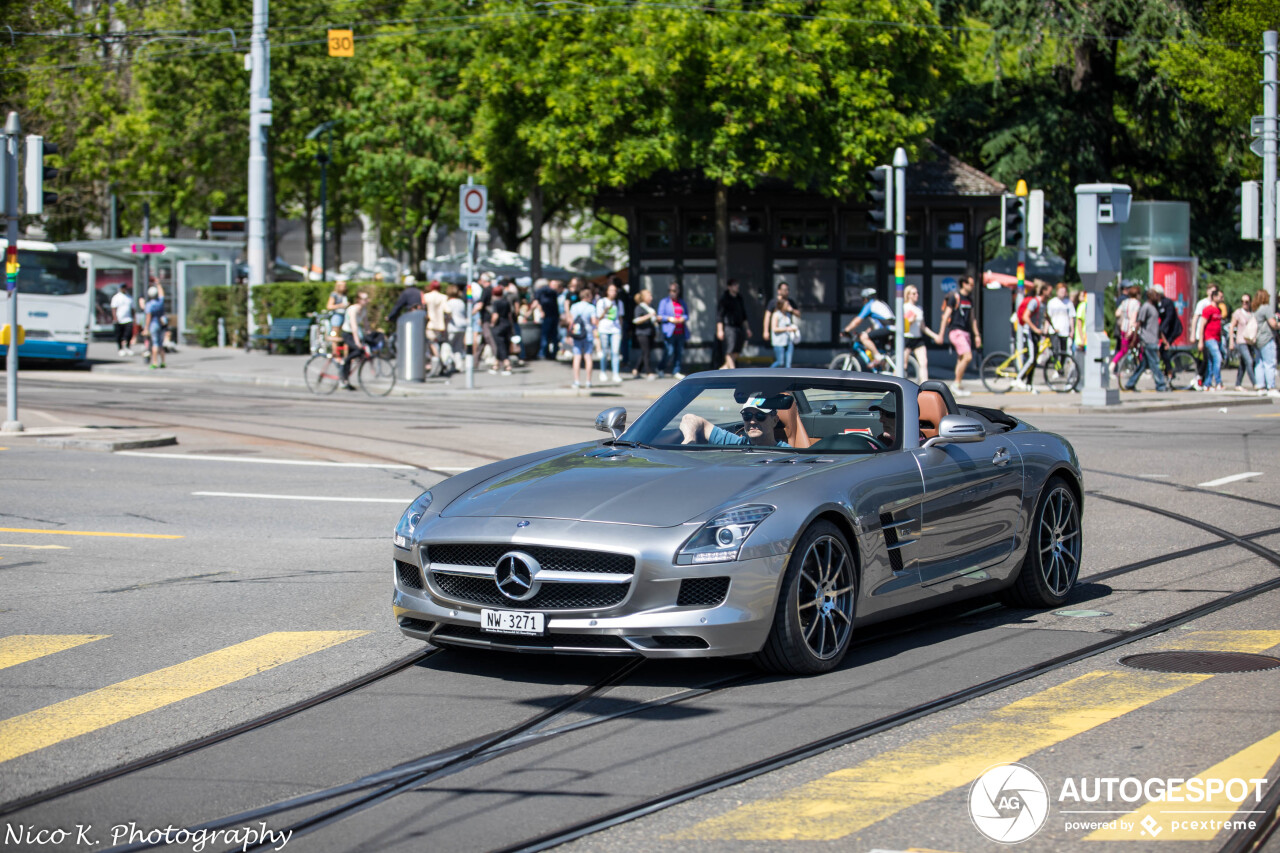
(511, 622)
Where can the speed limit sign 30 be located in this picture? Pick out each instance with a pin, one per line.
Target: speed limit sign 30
(473, 207)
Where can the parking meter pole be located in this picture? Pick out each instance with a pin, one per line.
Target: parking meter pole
(899, 254)
(12, 132)
(1101, 209)
(470, 339)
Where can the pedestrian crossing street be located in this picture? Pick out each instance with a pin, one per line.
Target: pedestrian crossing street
(852, 799)
(79, 715)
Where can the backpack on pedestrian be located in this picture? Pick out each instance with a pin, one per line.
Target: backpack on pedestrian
(579, 329)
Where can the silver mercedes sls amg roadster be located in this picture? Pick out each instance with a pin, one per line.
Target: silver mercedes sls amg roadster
(746, 512)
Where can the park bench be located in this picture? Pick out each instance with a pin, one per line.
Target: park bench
(284, 329)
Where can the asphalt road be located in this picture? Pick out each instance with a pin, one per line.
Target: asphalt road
(272, 592)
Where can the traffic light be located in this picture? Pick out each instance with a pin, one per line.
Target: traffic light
(1247, 211)
(37, 173)
(882, 196)
(1012, 217)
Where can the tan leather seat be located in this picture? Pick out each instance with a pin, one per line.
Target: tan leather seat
(932, 410)
(797, 435)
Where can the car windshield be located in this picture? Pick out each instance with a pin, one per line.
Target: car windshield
(783, 415)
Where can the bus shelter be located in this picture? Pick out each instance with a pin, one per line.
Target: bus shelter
(180, 266)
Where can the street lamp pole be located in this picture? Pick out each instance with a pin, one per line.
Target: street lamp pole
(324, 158)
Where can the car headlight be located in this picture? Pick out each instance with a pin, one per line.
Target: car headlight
(721, 538)
(411, 518)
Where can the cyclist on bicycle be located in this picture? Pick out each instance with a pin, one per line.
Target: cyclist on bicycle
(354, 324)
(878, 319)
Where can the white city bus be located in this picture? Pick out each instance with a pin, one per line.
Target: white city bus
(55, 304)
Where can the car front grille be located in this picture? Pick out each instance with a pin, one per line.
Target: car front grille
(552, 596)
(408, 575)
(551, 559)
(702, 592)
(465, 633)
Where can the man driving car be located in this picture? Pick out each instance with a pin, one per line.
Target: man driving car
(759, 420)
(887, 409)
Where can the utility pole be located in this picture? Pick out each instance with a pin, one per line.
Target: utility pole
(1269, 84)
(899, 254)
(12, 135)
(259, 121)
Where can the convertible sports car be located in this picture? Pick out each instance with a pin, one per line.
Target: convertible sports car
(746, 512)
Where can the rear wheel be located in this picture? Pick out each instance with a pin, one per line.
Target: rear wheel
(1052, 564)
(913, 371)
(377, 376)
(996, 377)
(813, 623)
(322, 374)
(1062, 373)
(1186, 370)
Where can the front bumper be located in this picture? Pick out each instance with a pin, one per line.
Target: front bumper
(649, 620)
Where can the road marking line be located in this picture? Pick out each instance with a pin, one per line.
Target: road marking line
(1252, 762)
(89, 533)
(21, 648)
(401, 501)
(852, 799)
(1224, 641)
(98, 709)
(35, 547)
(200, 457)
(1222, 481)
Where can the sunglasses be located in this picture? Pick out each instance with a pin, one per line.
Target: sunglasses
(755, 415)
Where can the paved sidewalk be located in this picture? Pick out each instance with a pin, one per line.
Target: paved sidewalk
(553, 379)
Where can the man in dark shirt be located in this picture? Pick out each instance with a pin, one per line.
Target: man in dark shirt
(410, 299)
(731, 323)
(1170, 328)
(547, 295)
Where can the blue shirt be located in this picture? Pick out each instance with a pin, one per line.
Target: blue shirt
(879, 313)
(155, 310)
(723, 436)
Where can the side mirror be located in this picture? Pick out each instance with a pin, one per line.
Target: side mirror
(957, 429)
(612, 420)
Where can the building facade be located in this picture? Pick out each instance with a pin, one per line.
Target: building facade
(822, 247)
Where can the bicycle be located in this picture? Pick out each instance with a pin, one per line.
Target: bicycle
(374, 368)
(1000, 372)
(858, 360)
(1183, 364)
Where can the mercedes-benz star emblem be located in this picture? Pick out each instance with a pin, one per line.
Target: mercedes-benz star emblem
(524, 523)
(516, 576)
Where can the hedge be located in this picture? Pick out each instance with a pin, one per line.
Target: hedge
(278, 299)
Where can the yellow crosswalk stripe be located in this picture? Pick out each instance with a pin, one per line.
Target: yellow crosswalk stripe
(88, 533)
(852, 799)
(24, 647)
(98, 709)
(1201, 821)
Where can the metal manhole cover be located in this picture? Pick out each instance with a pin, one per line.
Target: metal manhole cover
(1201, 662)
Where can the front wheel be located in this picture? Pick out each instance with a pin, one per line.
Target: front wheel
(913, 371)
(1052, 563)
(377, 376)
(813, 623)
(1185, 369)
(322, 374)
(844, 361)
(1062, 373)
(998, 372)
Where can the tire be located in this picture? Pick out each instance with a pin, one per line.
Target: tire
(1062, 373)
(844, 361)
(994, 379)
(1055, 535)
(323, 374)
(813, 622)
(1185, 369)
(377, 375)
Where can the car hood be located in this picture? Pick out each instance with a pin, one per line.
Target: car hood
(656, 488)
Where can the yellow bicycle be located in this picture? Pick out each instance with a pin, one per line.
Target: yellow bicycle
(1000, 372)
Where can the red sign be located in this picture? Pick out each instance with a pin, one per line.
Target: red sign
(1179, 283)
(146, 248)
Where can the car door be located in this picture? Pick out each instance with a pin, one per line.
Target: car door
(972, 497)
